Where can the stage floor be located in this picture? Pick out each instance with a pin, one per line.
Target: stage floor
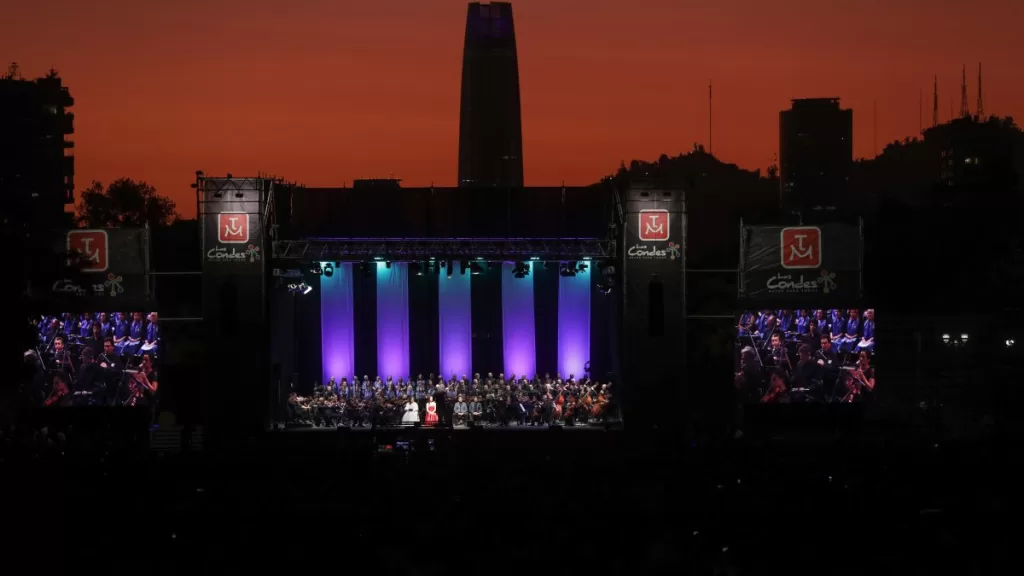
(306, 429)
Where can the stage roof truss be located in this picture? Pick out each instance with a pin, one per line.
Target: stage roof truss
(415, 250)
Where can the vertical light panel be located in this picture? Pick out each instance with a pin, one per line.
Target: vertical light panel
(573, 323)
(337, 328)
(392, 320)
(517, 322)
(455, 323)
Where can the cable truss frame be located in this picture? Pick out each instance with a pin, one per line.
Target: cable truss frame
(419, 249)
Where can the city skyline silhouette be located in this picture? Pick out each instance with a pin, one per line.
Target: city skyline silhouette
(326, 95)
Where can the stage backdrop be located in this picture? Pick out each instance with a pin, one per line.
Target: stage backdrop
(818, 264)
(574, 323)
(100, 269)
(517, 321)
(337, 323)
(393, 320)
(455, 323)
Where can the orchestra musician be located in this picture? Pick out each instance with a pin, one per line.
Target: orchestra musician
(811, 336)
(110, 365)
(61, 394)
(826, 356)
(61, 358)
(778, 390)
(476, 410)
(860, 382)
(780, 357)
(808, 373)
(90, 377)
(145, 385)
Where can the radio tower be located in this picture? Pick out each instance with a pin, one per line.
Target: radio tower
(964, 110)
(981, 103)
(711, 121)
(935, 103)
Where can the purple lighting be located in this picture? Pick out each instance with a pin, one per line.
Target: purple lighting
(337, 329)
(573, 323)
(392, 320)
(517, 322)
(455, 323)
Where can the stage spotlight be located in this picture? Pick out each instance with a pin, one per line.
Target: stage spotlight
(581, 267)
(239, 195)
(520, 270)
(568, 269)
(963, 338)
(328, 269)
(387, 263)
(293, 289)
(305, 288)
(316, 269)
(463, 266)
(534, 257)
(945, 338)
(1009, 343)
(475, 269)
(416, 268)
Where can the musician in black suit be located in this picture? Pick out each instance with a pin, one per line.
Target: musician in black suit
(61, 357)
(808, 372)
(90, 378)
(109, 362)
(812, 336)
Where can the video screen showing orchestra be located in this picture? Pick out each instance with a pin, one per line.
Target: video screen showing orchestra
(805, 356)
(95, 359)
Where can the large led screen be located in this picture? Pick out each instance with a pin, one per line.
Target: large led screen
(805, 356)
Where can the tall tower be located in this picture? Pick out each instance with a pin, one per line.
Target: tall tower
(981, 103)
(964, 110)
(490, 124)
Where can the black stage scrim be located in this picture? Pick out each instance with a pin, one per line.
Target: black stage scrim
(819, 264)
(653, 304)
(98, 269)
(234, 213)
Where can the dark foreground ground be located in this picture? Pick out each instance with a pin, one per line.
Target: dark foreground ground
(550, 502)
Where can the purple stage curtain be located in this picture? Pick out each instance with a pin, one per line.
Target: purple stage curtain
(337, 329)
(573, 323)
(393, 320)
(517, 324)
(455, 323)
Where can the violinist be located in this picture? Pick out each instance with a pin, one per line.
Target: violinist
(778, 390)
(61, 394)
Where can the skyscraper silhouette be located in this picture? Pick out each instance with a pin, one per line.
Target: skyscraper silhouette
(490, 127)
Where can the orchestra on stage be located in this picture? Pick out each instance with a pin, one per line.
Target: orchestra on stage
(96, 359)
(458, 402)
(802, 356)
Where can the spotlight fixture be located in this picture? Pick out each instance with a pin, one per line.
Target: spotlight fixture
(239, 195)
(945, 338)
(567, 269)
(415, 268)
(305, 288)
(963, 338)
(328, 269)
(1009, 343)
(581, 267)
(387, 263)
(520, 269)
(316, 269)
(293, 289)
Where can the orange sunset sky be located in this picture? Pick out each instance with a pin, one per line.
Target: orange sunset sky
(326, 91)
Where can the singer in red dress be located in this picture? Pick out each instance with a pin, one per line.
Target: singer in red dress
(431, 417)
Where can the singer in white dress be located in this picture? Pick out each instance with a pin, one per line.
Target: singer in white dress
(411, 413)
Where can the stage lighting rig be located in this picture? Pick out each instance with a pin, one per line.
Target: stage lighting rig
(316, 270)
(567, 269)
(328, 269)
(520, 270)
(305, 288)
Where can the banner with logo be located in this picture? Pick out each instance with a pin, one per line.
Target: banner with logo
(232, 224)
(100, 268)
(654, 235)
(805, 263)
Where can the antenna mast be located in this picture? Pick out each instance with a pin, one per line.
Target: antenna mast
(711, 120)
(920, 111)
(981, 103)
(874, 135)
(964, 110)
(935, 102)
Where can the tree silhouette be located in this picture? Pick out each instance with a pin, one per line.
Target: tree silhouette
(126, 203)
